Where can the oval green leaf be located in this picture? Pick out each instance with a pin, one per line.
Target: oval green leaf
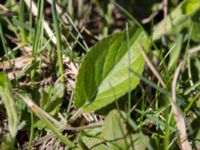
(104, 75)
(115, 131)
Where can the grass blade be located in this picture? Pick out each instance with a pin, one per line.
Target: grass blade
(38, 35)
(9, 102)
(58, 44)
(43, 116)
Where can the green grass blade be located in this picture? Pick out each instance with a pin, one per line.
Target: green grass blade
(4, 43)
(9, 103)
(190, 89)
(38, 35)
(161, 90)
(43, 116)
(59, 43)
(21, 18)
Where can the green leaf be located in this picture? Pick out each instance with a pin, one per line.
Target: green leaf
(104, 73)
(115, 131)
(113, 135)
(51, 99)
(92, 140)
(196, 32)
(20, 24)
(195, 36)
(195, 63)
(9, 102)
(175, 51)
(7, 142)
(191, 6)
(177, 19)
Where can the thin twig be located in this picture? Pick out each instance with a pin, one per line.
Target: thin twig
(180, 122)
(32, 105)
(134, 106)
(194, 50)
(172, 48)
(39, 141)
(66, 127)
(147, 20)
(153, 69)
(179, 118)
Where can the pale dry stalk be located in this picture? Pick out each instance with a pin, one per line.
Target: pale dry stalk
(153, 69)
(179, 118)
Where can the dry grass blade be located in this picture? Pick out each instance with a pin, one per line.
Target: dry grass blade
(179, 118)
(66, 127)
(18, 63)
(34, 108)
(48, 120)
(180, 123)
(16, 66)
(194, 50)
(153, 69)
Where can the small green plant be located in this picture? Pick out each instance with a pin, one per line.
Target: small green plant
(104, 73)
(69, 81)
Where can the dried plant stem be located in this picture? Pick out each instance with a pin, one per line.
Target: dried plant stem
(33, 107)
(153, 69)
(151, 17)
(179, 118)
(52, 123)
(194, 49)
